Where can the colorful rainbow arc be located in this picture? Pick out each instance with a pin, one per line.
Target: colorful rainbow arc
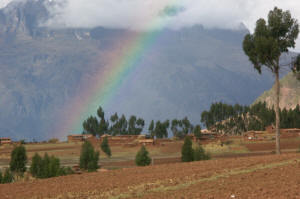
(106, 83)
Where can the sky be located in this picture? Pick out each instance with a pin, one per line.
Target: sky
(137, 14)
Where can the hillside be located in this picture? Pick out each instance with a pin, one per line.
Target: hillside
(181, 74)
(289, 93)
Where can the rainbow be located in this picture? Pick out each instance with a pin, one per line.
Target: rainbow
(100, 89)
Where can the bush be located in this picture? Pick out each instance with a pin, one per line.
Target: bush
(88, 157)
(53, 140)
(142, 157)
(36, 166)
(18, 160)
(65, 171)
(7, 177)
(0, 177)
(105, 147)
(47, 167)
(187, 152)
(199, 154)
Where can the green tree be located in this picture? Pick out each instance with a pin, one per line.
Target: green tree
(91, 126)
(187, 126)
(265, 46)
(100, 113)
(187, 152)
(200, 154)
(114, 129)
(105, 147)
(36, 165)
(0, 177)
(151, 129)
(142, 157)
(18, 160)
(54, 167)
(47, 167)
(197, 131)
(7, 177)
(88, 157)
(123, 124)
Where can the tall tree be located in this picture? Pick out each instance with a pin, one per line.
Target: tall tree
(114, 130)
(151, 129)
(18, 160)
(105, 147)
(197, 131)
(88, 157)
(265, 46)
(100, 113)
(187, 152)
(91, 126)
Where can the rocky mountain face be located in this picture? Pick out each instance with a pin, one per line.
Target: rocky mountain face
(181, 74)
(289, 93)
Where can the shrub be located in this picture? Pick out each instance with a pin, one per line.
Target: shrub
(187, 152)
(7, 177)
(0, 177)
(36, 166)
(47, 167)
(18, 160)
(105, 147)
(88, 157)
(199, 154)
(65, 171)
(142, 157)
(53, 140)
(197, 131)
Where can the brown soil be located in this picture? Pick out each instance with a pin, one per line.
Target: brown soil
(269, 176)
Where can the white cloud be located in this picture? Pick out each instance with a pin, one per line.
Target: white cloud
(3, 3)
(141, 14)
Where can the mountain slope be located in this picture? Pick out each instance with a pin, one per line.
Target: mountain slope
(181, 74)
(289, 93)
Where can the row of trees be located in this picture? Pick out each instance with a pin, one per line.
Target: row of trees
(134, 126)
(224, 118)
(115, 126)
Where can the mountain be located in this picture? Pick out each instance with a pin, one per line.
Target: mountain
(181, 74)
(289, 93)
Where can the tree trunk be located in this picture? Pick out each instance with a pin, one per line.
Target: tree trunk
(277, 128)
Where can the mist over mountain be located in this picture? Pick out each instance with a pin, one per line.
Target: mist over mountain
(42, 69)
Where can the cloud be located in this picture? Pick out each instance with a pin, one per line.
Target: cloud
(140, 14)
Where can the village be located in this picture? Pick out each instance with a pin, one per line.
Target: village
(206, 136)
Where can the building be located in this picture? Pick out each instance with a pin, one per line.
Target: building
(75, 138)
(5, 141)
(146, 141)
(80, 137)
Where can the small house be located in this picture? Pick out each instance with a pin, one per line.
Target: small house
(5, 141)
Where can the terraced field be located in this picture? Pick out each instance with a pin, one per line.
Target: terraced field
(267, 176)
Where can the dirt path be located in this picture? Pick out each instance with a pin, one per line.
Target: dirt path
(266, 176)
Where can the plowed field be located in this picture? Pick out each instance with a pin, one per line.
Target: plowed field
(268, 176)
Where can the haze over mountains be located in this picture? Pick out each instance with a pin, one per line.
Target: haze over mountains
(182, 73)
